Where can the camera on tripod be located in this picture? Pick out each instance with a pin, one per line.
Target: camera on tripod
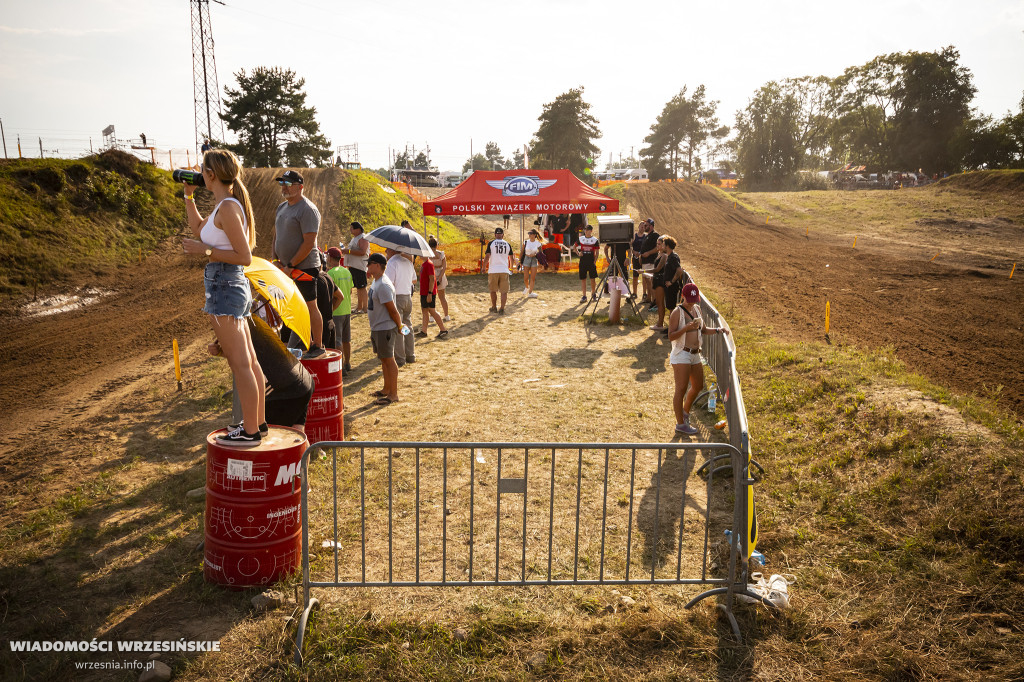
(614, 229)
(188, 176)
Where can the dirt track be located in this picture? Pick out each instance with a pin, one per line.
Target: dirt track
(955, 322)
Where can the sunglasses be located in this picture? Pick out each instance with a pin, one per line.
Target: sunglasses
(285, 183)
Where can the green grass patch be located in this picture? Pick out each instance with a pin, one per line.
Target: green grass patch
(62, 218)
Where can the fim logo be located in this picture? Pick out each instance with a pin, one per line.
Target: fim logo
(521, 185)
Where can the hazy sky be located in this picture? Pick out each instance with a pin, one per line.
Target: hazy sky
(442, 73)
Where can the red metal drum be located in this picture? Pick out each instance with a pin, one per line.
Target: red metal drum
(324, 421)
(253, 509)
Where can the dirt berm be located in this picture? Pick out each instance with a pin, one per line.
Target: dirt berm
(955, 322)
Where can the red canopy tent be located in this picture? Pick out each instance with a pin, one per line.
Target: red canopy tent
(520, 192)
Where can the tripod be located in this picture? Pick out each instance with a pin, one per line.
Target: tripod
(614, 269)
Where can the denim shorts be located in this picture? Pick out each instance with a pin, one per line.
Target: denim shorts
(227, 290)
(530, 262)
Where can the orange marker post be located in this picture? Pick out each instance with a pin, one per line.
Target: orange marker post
(935, 256)
(855, 242)
(177, 363)
(828, 314)
(1012, 269)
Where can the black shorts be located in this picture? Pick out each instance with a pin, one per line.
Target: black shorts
(308, 287)
(636, 266)
(358, 278)
(428, 300)
(288, 409)
(588, 268)
(672, 295)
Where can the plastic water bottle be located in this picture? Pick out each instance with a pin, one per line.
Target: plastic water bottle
(406, 330)
(713, 397)
(756, 558)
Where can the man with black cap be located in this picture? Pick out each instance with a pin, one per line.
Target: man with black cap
(356, 254)
(295, 231)
(649, 254)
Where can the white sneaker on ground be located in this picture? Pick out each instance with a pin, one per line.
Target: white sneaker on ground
(533, 294)
(446, 318)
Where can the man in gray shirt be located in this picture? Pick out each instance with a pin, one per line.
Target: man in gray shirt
(295, 231)
(385, 326)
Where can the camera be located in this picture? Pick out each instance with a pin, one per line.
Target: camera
(190, 177)
(614, 229)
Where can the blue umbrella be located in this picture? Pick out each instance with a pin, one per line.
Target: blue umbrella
(401, 239)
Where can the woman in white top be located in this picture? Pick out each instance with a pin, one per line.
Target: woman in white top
(529, 259)
(685, 329)
(226, 237)
(440, 262)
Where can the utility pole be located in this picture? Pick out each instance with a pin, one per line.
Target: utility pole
(40, 147)
(204, 75)
(3, 136)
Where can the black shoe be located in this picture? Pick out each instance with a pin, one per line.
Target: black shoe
(314, 352)
(443, 334)
(421, 335)
(239, 438)
(263, 428)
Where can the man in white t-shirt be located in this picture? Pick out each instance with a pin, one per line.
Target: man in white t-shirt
(356, 255)
(588, 248)
(402, 274)
(498, 256)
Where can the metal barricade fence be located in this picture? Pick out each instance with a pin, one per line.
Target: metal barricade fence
(419, 514)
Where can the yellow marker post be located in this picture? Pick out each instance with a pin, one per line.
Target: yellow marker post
(935, 256)
(855, 242)
(177, 363)
(827, 315)
(766, 220)
(807, 232)
(1012, 269)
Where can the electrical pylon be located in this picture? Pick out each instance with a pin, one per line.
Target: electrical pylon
(204, 75)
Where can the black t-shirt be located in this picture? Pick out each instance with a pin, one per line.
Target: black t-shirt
(325, 288)
(672, 265)
(285, 375)
(649, 243)
(638, 244)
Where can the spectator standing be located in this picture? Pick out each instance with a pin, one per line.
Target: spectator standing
(355, 260)
(588, 249)
(530, 260)
(686, 327)
(402, 274)
(202, 150)
(227, 237)
(667, 281)
(296, 227)
(385, 326)
(498, 255)
(635, 249)
(440, 262)
(328, 297)
(428, 299)
(649, 253)
(342, 313)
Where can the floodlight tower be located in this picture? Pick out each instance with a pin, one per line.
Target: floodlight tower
(204, 74)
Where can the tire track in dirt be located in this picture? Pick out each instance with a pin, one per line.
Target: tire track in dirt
(959, 325)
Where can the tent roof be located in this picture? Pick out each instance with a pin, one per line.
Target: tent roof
(521, 191)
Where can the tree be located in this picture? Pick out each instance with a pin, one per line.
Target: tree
(518, 160)
(402, 160)
(268, 112)
(495, 160)
(478, 162)
(682, 128)
(566, 134)
(422, 161)
(767, 140)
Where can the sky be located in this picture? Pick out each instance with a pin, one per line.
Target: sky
(451, 74)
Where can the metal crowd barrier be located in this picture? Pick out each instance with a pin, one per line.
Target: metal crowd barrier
(407, 514)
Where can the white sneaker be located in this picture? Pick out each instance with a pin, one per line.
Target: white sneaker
(533, 294)
(526, 290)
(446, 318)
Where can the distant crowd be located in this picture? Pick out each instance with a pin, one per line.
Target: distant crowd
(382, 287)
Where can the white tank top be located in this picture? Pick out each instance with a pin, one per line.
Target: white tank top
(694, 336)
(213, 236)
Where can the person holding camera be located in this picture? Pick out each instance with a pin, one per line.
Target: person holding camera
(226, 237)
(686, 327)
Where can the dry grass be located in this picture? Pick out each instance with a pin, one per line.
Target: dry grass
(899, 512)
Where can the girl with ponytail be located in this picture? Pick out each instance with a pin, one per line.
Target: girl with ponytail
(227, 237)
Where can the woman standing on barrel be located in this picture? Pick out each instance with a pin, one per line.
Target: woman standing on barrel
(227, 237)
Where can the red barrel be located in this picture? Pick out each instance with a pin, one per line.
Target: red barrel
(324, 421)
(253, 509)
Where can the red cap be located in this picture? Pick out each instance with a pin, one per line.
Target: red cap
(690, 293)
(334, 252)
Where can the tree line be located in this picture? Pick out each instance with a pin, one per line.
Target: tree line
(903, 111)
